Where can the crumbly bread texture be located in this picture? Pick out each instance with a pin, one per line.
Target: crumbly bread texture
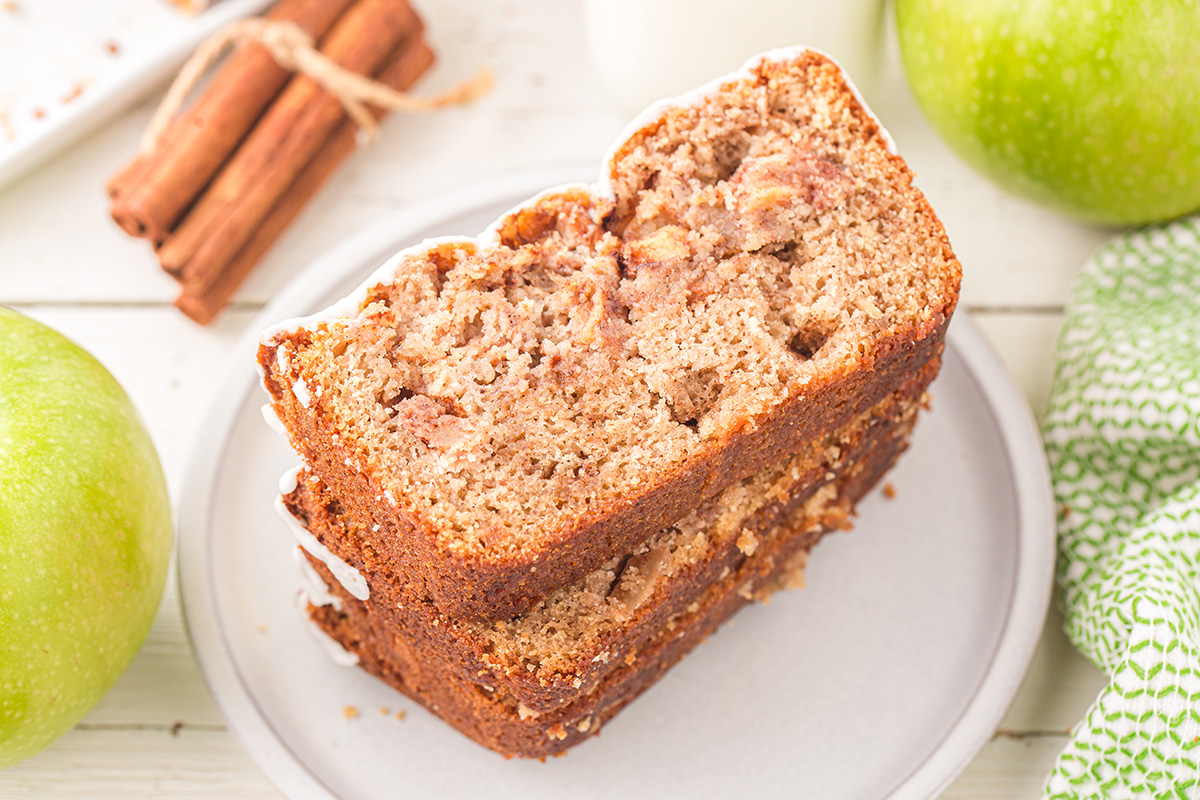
(565, 645)
(483, 704)
(755, 271)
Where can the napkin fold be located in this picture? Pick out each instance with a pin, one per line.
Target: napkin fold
(1122, 435)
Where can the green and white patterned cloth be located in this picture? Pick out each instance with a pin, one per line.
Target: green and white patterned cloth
(1123, 438)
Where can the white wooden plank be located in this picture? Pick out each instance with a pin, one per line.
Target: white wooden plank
(125, 763)
(1008, 768)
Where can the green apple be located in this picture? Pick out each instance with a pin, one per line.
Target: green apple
(1090, 106)
(85, 534)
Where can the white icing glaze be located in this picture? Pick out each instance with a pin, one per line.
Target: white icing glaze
(347, 308)
(289, 480)
(314, 588)
(349, 577)
(337, 654)
(272, 420)
(301, 391)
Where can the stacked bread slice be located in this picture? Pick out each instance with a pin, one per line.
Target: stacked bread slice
(542, 464)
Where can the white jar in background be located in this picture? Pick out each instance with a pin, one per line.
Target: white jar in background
(647, 49)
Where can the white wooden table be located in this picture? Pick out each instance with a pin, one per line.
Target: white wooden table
(159, 733)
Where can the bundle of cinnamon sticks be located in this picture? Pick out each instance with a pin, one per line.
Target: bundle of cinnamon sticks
(228, 175)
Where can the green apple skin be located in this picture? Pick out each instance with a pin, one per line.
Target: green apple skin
(1089, 106)
(85, 534)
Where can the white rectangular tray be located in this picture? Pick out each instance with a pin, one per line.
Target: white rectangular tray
(68, 66)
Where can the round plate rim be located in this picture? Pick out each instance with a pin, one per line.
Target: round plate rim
(1032, 578)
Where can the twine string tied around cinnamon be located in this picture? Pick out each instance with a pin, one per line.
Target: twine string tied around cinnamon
(293, 49)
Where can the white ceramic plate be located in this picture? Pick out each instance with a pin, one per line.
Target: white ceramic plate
(67, 66)
(882, 679)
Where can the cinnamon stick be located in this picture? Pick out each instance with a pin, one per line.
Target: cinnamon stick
(151, 194)
(411, 59)
(286, 138)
